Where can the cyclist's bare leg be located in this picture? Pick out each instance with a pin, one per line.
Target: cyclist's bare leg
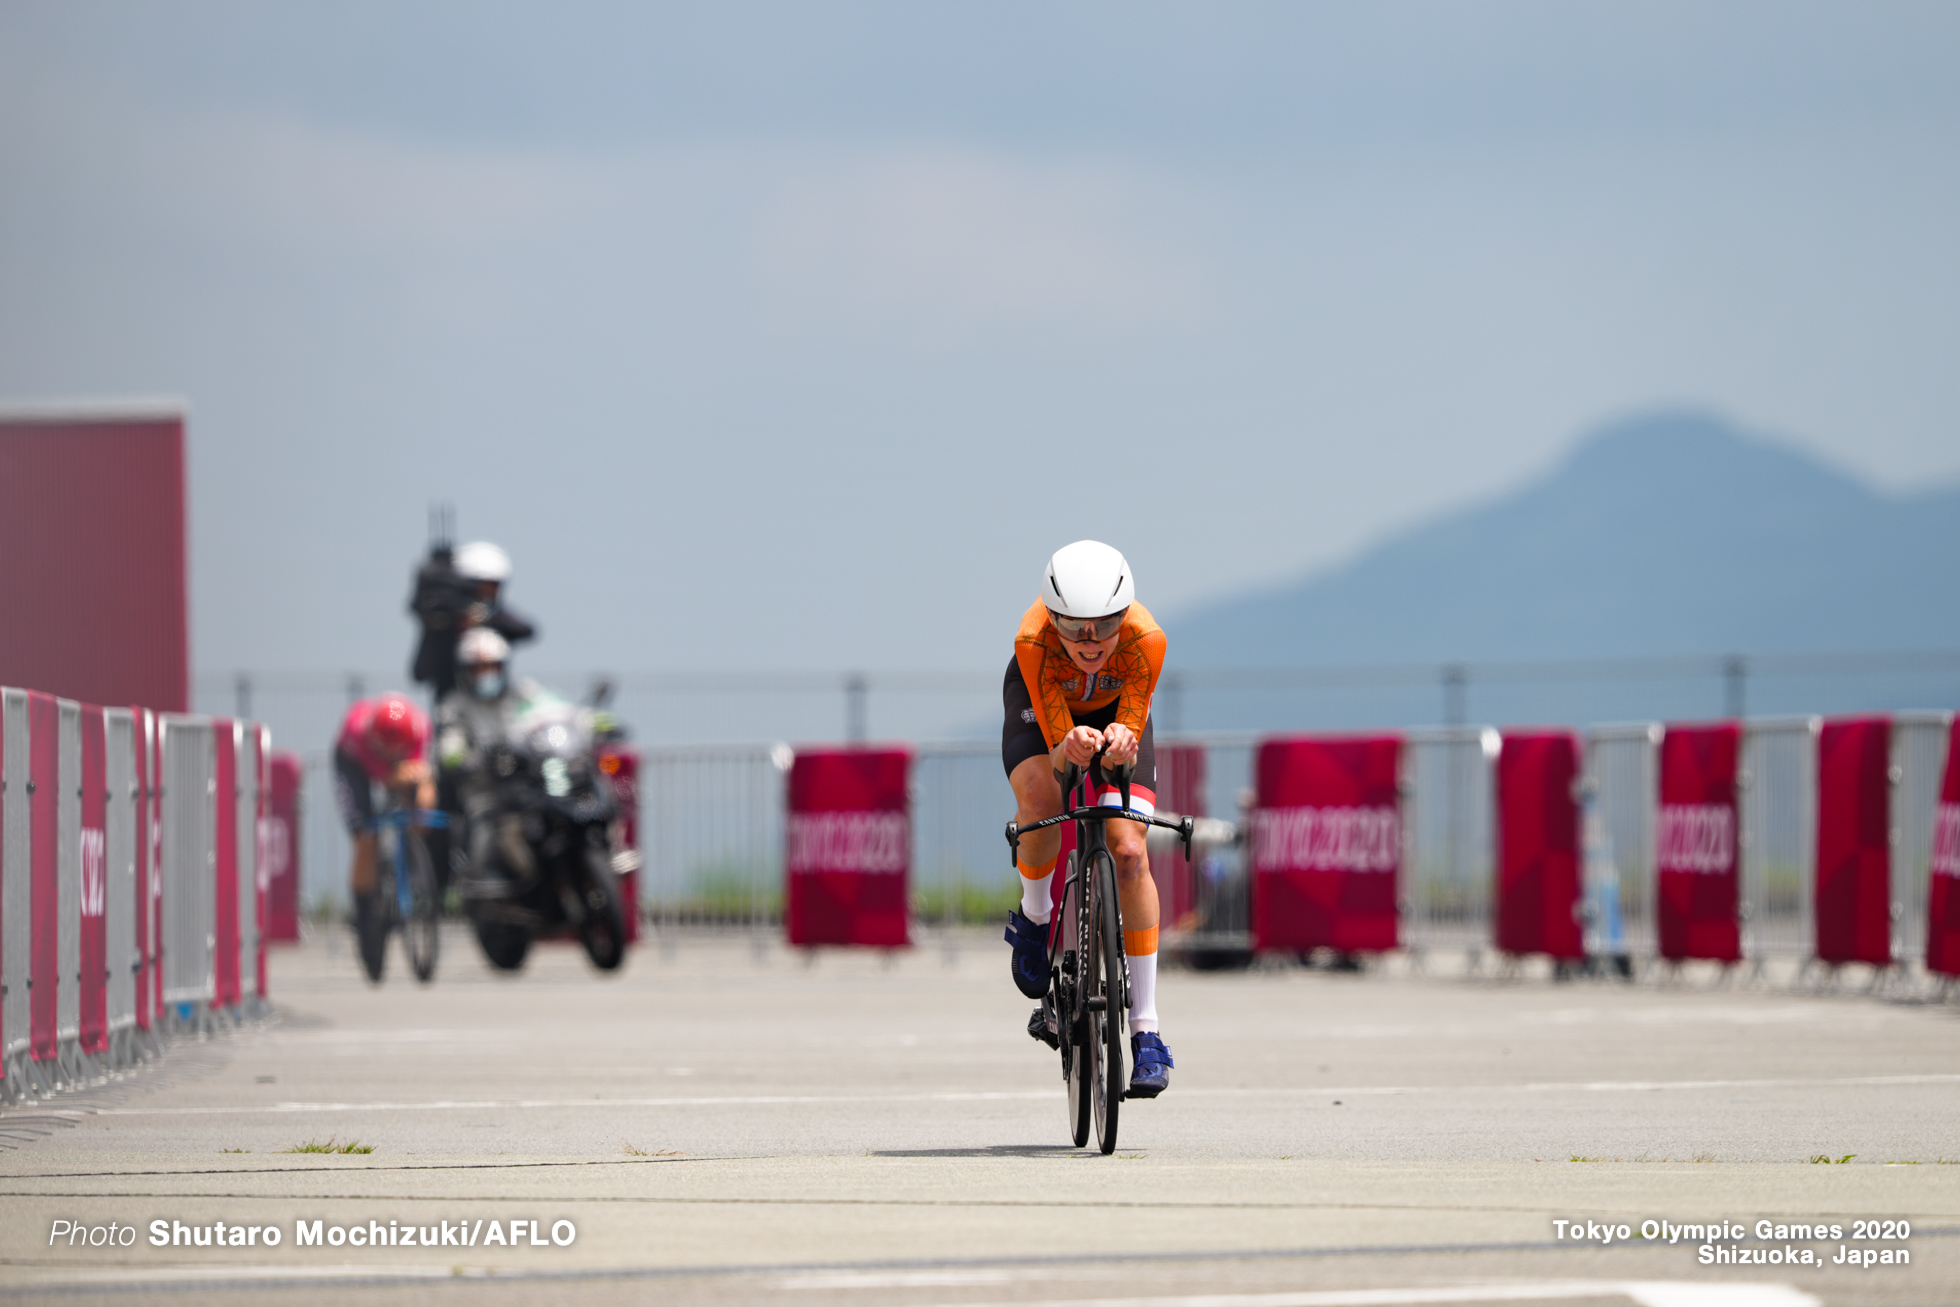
(1136, 890)
(1037, 797)
(361, 875)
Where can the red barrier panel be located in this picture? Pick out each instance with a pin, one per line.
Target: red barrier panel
(4, 781)
(44, 887)
(1698, 871)
(261, 881)
(140, 732)
(1326, 844)
(224, 927)
(1180, 789)
(1943, 884)
(94, 845)
(92, 525)
(849, 847)
(149, 826)
(621, 766)
(279, 840)
(1538, 845)
(1854, 850)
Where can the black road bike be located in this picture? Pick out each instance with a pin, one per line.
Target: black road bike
(1083, 1014)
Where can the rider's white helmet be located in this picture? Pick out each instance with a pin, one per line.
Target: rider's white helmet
(480, 644)
(1087, 579)
(480, 560)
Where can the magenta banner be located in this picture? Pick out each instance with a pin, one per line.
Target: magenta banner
(94, 974)
(143, 730)
(44, 883)
(1943, 884)
(1327, 844)
(1854, 850)
(848, 848)
(1538, 848)
(279, 845)
(1696, 849)
(225, 919)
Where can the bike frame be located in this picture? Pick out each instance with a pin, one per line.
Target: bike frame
(399, 820)
(1089, 820)
(1083, 893)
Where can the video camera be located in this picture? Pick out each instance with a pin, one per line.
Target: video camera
(441, 596)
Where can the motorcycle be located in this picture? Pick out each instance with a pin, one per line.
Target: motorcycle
(550, 855)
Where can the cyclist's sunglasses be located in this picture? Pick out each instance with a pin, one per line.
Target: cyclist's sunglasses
(1081, 630)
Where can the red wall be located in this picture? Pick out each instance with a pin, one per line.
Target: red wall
(92, 553)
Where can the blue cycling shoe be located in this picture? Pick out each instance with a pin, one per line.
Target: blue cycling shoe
(1030, 961)
(1150, 1066)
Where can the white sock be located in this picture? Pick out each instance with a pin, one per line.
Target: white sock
(1037, 905)
(1143, 993)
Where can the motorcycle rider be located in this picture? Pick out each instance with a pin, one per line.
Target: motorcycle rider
(473, 722)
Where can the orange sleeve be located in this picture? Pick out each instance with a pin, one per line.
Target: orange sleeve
(1139, 663)
(1032, 652)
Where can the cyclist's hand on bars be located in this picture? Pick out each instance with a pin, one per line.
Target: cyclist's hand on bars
(1123, 745)
(1079, 745)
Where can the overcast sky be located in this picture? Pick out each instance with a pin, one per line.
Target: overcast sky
(796, 336)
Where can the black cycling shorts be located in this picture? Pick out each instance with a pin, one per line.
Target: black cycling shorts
(1021, 738)
(353, 788)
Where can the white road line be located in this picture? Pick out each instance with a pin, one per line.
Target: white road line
(450, 1105)
(1647, 1293)
(246, 1274)
(781, 1100)
(907, 1279)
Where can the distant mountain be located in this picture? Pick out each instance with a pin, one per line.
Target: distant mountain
(1669, 534)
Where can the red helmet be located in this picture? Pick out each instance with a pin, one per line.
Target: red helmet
(396, 726)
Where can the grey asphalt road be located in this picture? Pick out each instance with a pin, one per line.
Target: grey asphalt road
(862, 1128)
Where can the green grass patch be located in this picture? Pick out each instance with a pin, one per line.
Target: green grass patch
(1825, 1159)
(332, 1145)
(634, 1150)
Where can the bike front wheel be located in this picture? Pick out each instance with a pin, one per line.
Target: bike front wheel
(373, 914)
(421, 910)
(1104, 948)
(1068, 1012)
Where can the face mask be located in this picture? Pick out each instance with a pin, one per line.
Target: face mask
(487, 685)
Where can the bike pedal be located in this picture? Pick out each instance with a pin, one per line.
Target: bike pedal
(1042, 1028)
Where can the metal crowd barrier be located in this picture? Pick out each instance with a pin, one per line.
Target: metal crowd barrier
(715, 848)
(131, 896)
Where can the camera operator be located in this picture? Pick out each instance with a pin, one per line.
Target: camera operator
(457, 591)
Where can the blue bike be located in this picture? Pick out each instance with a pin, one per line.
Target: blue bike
(405, 893)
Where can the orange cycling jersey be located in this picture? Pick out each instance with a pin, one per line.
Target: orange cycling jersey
(1060, 689)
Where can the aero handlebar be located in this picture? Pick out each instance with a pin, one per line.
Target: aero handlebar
(1071, 778)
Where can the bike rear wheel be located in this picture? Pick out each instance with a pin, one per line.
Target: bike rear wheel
(1068, 1012)
(1105, 988)
(420, 937)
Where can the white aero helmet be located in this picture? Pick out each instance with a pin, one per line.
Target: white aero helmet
(1087, 579)
(480, 644)
(480, 560)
